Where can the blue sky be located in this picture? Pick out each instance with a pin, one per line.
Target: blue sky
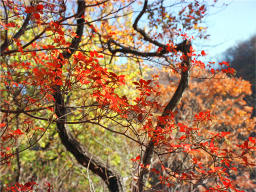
(229, 25)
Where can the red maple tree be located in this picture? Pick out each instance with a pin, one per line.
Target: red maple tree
(58, 72)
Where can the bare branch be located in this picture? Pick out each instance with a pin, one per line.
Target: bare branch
(17, 35)
(26, 45)
(141, 31)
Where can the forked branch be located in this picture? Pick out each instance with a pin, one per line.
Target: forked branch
(147, 156)
(109, 176)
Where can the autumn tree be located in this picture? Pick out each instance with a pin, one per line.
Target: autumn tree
(63, 86)
(242, 59)
(223, 102)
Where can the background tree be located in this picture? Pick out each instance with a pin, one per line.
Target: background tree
(242, 59)
(220, 99)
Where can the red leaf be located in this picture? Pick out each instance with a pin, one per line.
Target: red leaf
(17, 132)
(39, 7)
(203, 53)
(223, 134)
(2, 125)
(224, 63)
(29, 9)
(36, 15)
(183, 137)
(136, 159)
(183, 127)
(252, 139)
(155, 171)
(121, 79)
(231, 71)
(202, 8)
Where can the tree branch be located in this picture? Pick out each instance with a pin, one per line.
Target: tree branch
(17, 35)
(141, 31)
(147, 156)
(26, 45)
(109, 176)
(129, 50)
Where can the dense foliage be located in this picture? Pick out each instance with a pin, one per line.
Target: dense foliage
(242, 59)
(85, 104)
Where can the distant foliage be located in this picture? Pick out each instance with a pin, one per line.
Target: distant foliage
(243, 59)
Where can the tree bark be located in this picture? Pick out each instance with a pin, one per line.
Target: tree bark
(183, 84)
(184, 47)
(80, 152)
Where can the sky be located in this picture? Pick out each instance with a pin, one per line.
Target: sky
(229, 25)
